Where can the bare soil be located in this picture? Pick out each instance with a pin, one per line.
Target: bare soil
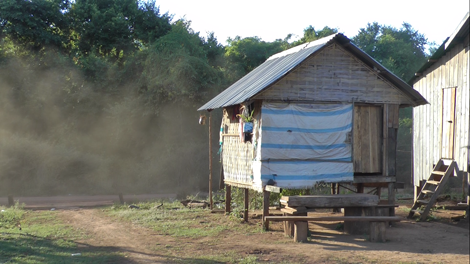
(440, 241)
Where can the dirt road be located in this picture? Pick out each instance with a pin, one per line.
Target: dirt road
(410, 242)
(132, 241)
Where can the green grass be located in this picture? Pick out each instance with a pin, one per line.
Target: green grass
(173, 219)
(44, 239)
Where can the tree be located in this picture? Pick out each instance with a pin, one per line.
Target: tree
(243, 55)
(35, 24)
(400, 50)
(310, 34)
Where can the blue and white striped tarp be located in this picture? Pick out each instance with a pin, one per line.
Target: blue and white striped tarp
(302, 144)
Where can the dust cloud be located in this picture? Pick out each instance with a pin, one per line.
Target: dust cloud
(61, 135)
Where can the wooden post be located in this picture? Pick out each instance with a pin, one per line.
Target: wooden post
(265, 209)
(360, 188)
(377, 232)
(245, 212)
(228, 198)
(10, 201)
(121, 198)
(333, 191)
(391, 199)
(288, 227)
(210, 161)
(467, 213)
(301, 231)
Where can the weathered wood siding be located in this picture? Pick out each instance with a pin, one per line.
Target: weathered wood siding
(367, 142)
(451, 71)
(334, 75)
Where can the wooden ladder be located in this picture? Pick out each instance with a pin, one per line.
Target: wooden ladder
(443, 170)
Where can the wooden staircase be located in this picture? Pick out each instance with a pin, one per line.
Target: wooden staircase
(426, 199)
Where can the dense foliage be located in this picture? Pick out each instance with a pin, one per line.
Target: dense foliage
(100, 96)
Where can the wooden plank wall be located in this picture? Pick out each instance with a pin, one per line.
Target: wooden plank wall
(334, 74)
(367, 133)
(452, 70)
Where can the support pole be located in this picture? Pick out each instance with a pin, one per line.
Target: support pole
(360, 188)
(391, 200)
(333, 192)
(228, 198)
(121, 198)
(210, 161)
(10, 201)
(245, 212)
(265, 209)
(468, 187)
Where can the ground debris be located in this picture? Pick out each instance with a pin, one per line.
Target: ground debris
(195, 204)
(133, 206)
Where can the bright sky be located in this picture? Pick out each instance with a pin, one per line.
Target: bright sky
(271, 20)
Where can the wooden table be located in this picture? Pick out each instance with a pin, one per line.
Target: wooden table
(353, 204)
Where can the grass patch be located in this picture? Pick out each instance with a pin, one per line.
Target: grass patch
(39, 237)
(173, 219)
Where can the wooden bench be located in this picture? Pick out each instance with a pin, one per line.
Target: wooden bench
(377, 224)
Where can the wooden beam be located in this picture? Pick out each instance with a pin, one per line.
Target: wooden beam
(340, 200)
(271, 188)
(336, 218)
(374, 179)
(230, 135)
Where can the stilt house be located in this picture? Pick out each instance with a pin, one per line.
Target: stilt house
(441, 129)
(323, 111)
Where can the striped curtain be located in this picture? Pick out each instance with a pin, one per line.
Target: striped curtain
(302, 144)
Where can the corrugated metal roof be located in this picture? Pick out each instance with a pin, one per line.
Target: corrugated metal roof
(457, 36)
(280, 64)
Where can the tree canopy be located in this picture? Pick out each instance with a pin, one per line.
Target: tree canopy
(400, 50)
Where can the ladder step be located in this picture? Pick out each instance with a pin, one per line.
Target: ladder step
(427, 191)
(422, 201)
(442, 173)
(447, 162)
(434, 182)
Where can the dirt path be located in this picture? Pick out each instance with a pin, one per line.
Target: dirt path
(133, 242)
(410, 242)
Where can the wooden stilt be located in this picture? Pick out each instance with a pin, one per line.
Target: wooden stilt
(245, 212)
(265, 209)
(228, 199)
(10, 201)
(333, 191)
(391, 199)
(121, 198)
(360, 188)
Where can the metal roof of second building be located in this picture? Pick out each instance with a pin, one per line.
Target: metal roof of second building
(280, 64)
